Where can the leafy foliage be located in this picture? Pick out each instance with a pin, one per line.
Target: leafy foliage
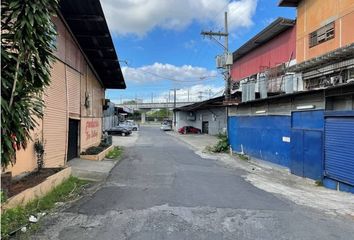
(115, 153)
(222, 145)
(161, 113)
(3, 196)
(27, 46)
(39, 149)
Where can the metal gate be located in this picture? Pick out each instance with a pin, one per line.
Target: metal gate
(306, 153)
(339, 146)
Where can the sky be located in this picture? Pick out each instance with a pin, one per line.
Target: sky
(160, 48)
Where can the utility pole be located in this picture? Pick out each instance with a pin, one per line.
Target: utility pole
(225, 34)
(188, 95)
(200, 95)
(152, 97)
(174, 97)
(174, 105)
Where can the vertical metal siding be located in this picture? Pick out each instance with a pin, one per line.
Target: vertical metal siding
(339, 148)
(55, 118)
(307, 119)
(73, 79)
(261, 137)
(270, 54)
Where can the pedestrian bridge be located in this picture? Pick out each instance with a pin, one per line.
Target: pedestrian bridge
(157, 105)
(145, 107)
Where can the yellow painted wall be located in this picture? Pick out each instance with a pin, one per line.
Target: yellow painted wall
(314, 14)
(26, 159)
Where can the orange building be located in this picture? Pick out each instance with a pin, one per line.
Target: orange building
(86, 64)
(322, 26)
(324, 41)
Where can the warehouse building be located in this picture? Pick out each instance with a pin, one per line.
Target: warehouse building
(86, 64)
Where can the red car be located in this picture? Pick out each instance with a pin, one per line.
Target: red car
(189, 129)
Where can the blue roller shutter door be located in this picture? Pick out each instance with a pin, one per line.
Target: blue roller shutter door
(339, 149)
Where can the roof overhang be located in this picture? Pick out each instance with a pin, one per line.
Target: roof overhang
(337, 55)
(217, 102)
(288, 3)
(87, 22)
(275, 28)
(213, 102)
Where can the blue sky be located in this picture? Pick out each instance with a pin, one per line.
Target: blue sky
(161, 42)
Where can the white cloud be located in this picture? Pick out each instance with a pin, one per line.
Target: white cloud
(198, 92)
(191, 44)
(160, 72)
(140, 16)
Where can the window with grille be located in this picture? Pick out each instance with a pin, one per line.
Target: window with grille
(321, 35)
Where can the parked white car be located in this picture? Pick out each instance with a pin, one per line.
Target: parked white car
(165, 126)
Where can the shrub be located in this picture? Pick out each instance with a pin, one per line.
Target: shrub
(104, 145)
(93, 150)
(221, 146)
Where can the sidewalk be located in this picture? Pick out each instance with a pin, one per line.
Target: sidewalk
(276, 179)
(99, 170)
(91, 170)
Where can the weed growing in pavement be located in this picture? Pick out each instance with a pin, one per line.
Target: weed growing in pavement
(319, 183)
(221, 146)
(115, 153)
(243, 157)
(13, 219)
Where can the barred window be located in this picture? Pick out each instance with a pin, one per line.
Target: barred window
(321, 35)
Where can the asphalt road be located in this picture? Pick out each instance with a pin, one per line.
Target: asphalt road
(163, 190)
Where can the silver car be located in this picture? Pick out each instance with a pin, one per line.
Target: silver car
(166, 126)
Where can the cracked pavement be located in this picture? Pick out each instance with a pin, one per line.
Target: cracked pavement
(163, 190)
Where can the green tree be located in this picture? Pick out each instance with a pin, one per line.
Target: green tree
(161, 113)
(27, 46)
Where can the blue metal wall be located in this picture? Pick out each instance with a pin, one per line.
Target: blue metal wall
(307, 119)
(261, 137)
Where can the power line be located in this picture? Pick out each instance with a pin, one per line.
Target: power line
(225, 35)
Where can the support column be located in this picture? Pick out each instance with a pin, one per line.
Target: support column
(143, 117)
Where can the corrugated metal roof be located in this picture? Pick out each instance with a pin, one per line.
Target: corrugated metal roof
(288, 3)
(88, 24)
(210, 103)
(213, 102)
(275, 28)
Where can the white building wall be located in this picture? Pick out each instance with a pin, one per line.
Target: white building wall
(216, 117)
